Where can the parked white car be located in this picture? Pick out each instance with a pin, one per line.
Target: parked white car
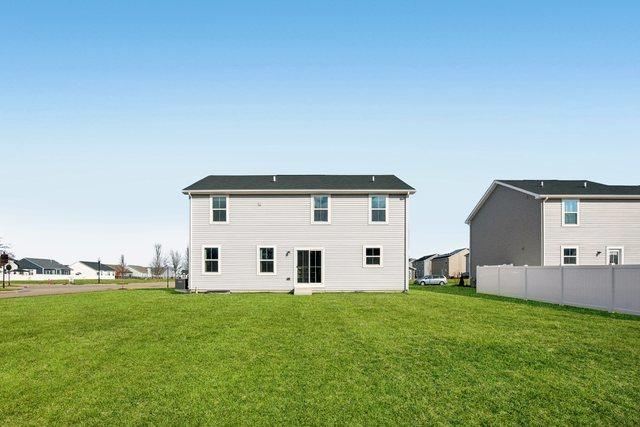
(435, 279)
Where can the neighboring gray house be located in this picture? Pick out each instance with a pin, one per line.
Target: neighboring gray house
(42, 266)
(298, 233)
(423, 265)
(452, 264)
(553, 222)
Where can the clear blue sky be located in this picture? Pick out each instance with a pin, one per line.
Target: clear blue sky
(108, 109)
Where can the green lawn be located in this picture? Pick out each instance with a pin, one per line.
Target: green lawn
(89, 281)
(435, 355)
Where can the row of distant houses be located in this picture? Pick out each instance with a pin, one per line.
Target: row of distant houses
(41, 268)
(451, 264)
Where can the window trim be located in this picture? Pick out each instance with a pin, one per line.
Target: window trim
(211, 221)
(364, 256)
(564, 224)
(577, 248)
(313, 209)
(621, 248)
(211, 273)
(386, 209)
(275, 260)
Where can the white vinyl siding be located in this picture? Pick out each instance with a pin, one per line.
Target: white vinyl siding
(283, 221)
(603, 223)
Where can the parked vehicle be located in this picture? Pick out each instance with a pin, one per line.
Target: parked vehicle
(436, 279)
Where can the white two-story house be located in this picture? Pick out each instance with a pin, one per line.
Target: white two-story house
(299, 233)
(554, 222)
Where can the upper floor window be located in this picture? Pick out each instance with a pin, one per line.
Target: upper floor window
(378, 208)
(570, 212)
(211, 259)
(266, 260)
(321, 206)
(219, 206)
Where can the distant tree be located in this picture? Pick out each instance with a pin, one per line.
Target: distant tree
(121, 268)
(176, 261)
(4, 247)
(186, 259)
(158, 261)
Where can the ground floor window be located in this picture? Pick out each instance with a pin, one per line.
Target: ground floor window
(266, 260)
(372, 256)
(211, 259)
(614, 256)
(569, 255)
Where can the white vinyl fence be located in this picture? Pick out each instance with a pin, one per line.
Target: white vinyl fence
(610, 288)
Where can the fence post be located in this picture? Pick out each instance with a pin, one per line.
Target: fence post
(561, 285)
(499, 287)
(613, 289)
(526, 286)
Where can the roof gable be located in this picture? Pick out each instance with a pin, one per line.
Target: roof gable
(554, 188)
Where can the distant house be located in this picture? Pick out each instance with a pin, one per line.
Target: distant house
(423, 265)
(452, 264)
(91, 270)
(126, 274)
(139, 272)
(555, 222)
(31, 266)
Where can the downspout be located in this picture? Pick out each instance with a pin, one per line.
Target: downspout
(191, 254)
(406, 258)
(542, 231)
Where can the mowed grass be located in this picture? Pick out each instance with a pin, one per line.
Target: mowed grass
(435, 355)
(89, 281)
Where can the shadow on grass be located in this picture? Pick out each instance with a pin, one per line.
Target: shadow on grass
(469, 292)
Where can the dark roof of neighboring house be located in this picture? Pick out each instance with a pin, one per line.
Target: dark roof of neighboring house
(94, 265)
(138, 268)
(557, 188)
(564, 187)
(424, 257)
(300, 182)
(450, 253)
(47, 264)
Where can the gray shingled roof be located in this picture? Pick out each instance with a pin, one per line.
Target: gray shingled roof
(47, 264)
(300, 182)
(94, 265)
(563, 187)
(450, 253)
(424, 257)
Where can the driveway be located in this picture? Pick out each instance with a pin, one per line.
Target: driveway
(43, 289)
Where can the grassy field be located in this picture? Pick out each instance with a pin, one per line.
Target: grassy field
(89, 281)
(435, 355)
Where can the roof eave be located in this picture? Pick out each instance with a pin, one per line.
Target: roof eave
(302, 191)
(590, 196)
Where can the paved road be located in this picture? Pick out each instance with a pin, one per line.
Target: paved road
(35, 290)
